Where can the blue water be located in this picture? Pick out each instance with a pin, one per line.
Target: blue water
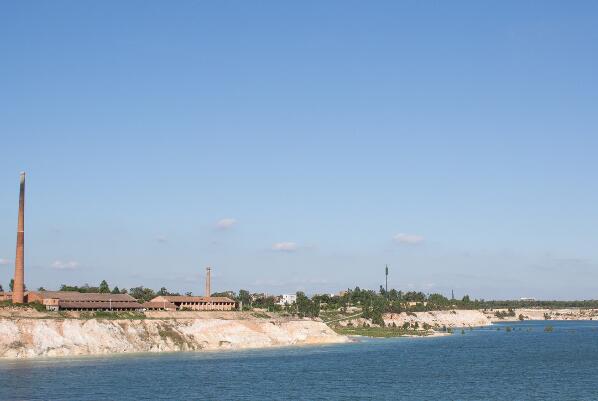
(485, 364)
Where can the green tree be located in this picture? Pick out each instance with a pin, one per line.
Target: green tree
(382, 291)
(104, 288)
(245, 298)
(438, 299)
(1, 289)
(142, 294)
(12, 284)
(163, 291)
(306, 306)
(413, 296)
(115, 290)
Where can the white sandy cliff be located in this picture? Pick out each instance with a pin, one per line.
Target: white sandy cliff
(30, 337)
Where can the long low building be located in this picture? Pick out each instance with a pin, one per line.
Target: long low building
(84, 301)
(160, 306)
(183, 302)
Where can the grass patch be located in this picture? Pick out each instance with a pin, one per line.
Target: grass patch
(260, 315)
(33, 305)
(112, 315)
(379, 332)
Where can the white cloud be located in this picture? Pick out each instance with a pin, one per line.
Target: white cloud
(4, 262)
(225, 224)
(285, 246)
(60, 265)
(411, 239)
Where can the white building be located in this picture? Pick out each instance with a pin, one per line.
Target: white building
(287, 299)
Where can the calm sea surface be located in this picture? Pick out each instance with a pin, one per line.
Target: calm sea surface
(484, 364)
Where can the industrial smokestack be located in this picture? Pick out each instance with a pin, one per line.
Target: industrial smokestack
(208, 281)
(18, 292)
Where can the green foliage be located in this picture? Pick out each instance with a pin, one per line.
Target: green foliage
(142, 294)
(502, 314)
(306, 306)
(382, 332)
(32, 305)
(265, 302)
(245, 297)
(11, 285)
(104, 288)
(260, 315)
(112, 315)
(413, 296)
(163, 292)
(83, 288)
(438, 299)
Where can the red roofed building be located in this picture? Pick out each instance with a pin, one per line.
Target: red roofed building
(183, 302)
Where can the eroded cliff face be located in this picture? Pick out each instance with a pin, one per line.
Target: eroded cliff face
(29, 338)
(436, 319)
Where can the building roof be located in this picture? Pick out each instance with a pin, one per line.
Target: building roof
(85, 296)
(98, 305)
(159, 305)
(191, 299)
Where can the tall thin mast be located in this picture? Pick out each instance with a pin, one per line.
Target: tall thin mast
(386, 281)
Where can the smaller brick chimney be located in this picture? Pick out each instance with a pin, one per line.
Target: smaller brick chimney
(208, 281)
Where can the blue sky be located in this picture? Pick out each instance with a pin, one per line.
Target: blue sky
(303, 146)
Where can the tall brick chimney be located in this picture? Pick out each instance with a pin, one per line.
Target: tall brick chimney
(18, 292)
(208, 281)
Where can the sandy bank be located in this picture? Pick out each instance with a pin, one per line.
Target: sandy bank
(31, 337)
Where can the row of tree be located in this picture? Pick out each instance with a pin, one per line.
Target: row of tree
(373, 303)
(140, 293)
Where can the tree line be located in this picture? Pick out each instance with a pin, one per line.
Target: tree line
(372, 303)
(140, 293)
